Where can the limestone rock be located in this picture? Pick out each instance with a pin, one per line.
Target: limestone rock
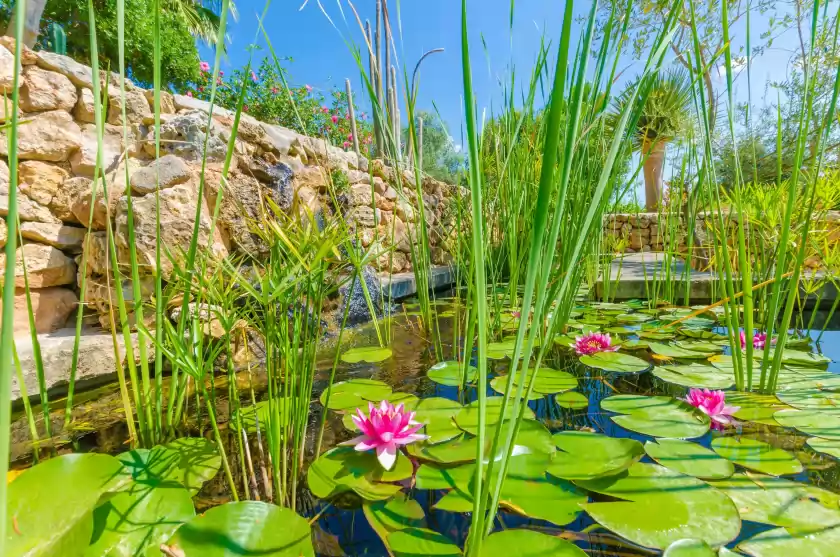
(166, 172)
(7, 107)
(68, 238)
(177, 216)
(239, 209)
(99, 296)
(281, 185)
(405, 211)
(45, 90)
(360, 194)
(83, 161)
(390, 194)
(97, 255)
(280, 139)
(65, 197)
(28, 210)
(79, 74)
(364, 216)
(85, 109)
(402, 241)
(311, 177)
(136, 107)
(45, 266)
(47, 136)
(184, 135)
(307, 202)
(3, 233)
(27, 55)
(167, 102)
(40, 180)
(7, 70)
(50, 306)
(358, 177)
(359, 311)
(116, 188)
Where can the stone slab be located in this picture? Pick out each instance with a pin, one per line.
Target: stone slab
(403, 285)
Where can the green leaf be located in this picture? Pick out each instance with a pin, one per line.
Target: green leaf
(795, 357)
(755, 407)
(572, 399)
(656, 335)
(689, 548)
(616, 362)
(695, 375)
(248, 415)
(467, 418)
(518, 542)
(421, 542)
(689, 458)
(437, 414)
(554, 500)
(658, 416)
(450, 373)
(199, 461)
(757, 455)
(829, 447)
(50, 506)
(394, 514)
(499, 384)
(781, 543)
(671, 351)
(431, 476)
(584, 455)
(501, 350)
(455, 501)
(353, 393)
(245, 528)
(457, 450)
(811, 422)
(633, 318)
(136, 521)
(662, 506)
(344, 469)
(369, 354)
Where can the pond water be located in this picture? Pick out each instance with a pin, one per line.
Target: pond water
(100, 427)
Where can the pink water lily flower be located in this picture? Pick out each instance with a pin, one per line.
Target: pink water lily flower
(591, 343)
(385, 429)
(713, 404)
(759, 340)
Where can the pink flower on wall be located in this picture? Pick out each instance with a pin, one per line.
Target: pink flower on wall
(346, 144)
(254, 77)
(204, 66)
(189, 93)
(335, 119)
(308, 88)
(324, 109)
(274, 90)
(350, 137)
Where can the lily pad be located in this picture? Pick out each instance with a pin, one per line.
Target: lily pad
(501, 350)
(689, 458)
(796, 357)
(519, 542)
(585, 456)
(701, 334)
(572, 400)
(755, 407)
(455, 502)
(554, 500)
(249, 415)
(458, 450)
(811, 422)
(421, 542)
(353, 393)
(546, 381)
(499, 384)
(662, 507)
(757, 455)
(245, 528)
(431, 476)
(345, 469)
(781, 543)
(810, 398)
(672, 351)
(829, 447)
(615, 362)
(437, 414)
(450, 373)
(369, 354)
(49, 505)
(656, 335)
(394, 514)
(695, 375)
(467, 418)
(658, 416)
(689, 548)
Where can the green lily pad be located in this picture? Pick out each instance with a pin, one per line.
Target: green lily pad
(437, 414)
(245, 528)
(695, 375)
(369, 354)
(501, 350)
(519, 542)
(353, 393)
(585, 456)
(689, 548)
(701, 334)
(689, 458)
(554, 500)
(781, 543)
(810, 398)
(656, 335)
(796, 357)
(672, 351)
(755, 407)
(572, 400)
(450, 373)
(635, 344)
(344, 469)
(394, 514)
(658, 416)
(829, 447)
(811, 422)
(139, 519)
(757, 455)
(661, 507)
(633, 318)
(781, 502)
(189, 461)
(467, 418)
(615, 362)
(458, 450)
(499, 384)
(431, 476)
(421, 542)
(546, 381)
(49, 505)
(455, 502)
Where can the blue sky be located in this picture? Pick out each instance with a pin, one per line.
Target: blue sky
(322, 59)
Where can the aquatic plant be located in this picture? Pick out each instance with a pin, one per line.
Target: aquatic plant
(592, 343)
(386, 428)
(713, 404)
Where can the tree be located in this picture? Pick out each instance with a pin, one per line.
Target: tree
(441, 160)
(664, 117)
(181, 22)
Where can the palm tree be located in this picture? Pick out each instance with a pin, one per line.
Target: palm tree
(664, 117)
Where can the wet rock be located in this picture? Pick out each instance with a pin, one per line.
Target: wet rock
(358, 311)
(281, 185)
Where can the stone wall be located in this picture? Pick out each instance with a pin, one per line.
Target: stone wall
(57, 148)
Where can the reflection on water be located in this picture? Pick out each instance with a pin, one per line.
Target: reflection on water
(98, 425)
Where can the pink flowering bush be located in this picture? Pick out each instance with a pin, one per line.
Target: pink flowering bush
(713, 404)
(268, 100)
(385, 429)
(591, 343)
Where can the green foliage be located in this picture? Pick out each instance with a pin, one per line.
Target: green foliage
(179, 57)
(340, 182)
(267, 98)
(441, 159)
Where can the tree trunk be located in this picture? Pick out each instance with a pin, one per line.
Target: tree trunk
(654, 157)
(31, 23)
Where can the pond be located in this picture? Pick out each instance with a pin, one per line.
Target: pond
(639, 491)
